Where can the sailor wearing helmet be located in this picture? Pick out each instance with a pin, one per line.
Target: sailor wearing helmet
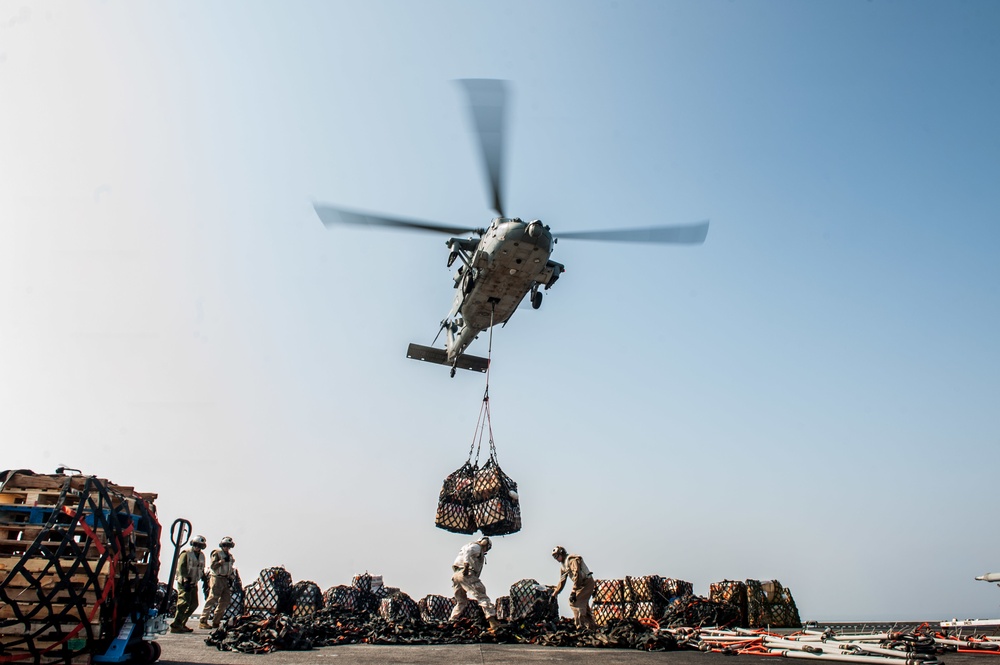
(573, 567)
(220, 589)
(465, 582)
(190, 570)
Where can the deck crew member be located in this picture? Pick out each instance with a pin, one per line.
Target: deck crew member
(190, 571)
(573, 567)
(465, 580)
(220, 590)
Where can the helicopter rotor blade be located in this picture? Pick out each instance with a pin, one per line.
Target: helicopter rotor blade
(331, 216)
(487, 105)
(686, 234)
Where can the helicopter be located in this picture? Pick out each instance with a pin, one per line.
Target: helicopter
(505, 262)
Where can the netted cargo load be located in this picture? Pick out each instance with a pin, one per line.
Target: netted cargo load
(348, 598)
(78, 557)
(162, 591)
(307, 598)
(368, 582)
(641, 610)
(454, 512)
(608, 591)
(399, 608)
(640, 589)
(271, 593)
(732, 593)
(474, 613)
(498, 510)
(671, 588)
(503, 608)
(770, 605)
(532, 602)
(605, 613)
(436, 609)
(236, 604)
(695, 611)
(479, 498)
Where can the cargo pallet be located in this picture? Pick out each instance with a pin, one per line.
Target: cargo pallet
(79, 558)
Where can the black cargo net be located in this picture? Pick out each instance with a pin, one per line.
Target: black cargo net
(770, 605)
(532, 602)
(80, 558)
(635, 598)
(333, 626)
(306, 598)
(399, 608)
(271, 593)
(732, 593)
(435, 609)
(695, 611)
(480, 498)
(502, 605)
(237, 603)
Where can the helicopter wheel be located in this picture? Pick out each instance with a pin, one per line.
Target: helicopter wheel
(453, 372)
(536, 299)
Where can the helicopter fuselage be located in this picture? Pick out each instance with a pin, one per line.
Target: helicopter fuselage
(510, 260)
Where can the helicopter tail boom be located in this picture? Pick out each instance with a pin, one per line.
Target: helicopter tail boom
(440, 356)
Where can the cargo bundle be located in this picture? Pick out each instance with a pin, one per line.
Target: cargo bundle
(435, 609)
(532, 602)
(758, 604)
(236, 600)
(307, 598)
(79, 562)
(399, 608)
(770, 605)
(479, 498)
(634, 598)
(271, 593)
(732, 593)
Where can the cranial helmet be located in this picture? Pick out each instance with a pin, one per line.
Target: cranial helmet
(227, 542)
(558, 551)
(485, 543)
(199, 542)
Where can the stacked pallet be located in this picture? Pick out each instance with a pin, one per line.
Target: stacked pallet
(78, 556)
(635, 597)
(771, 605)
(759, 604)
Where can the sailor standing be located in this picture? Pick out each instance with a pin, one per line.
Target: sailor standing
(220, 587)
(190, 571)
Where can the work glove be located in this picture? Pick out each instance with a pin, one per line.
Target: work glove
(466, 570)
(572, 597)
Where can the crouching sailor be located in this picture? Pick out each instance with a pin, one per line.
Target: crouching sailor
(573, 568)
(465, 580)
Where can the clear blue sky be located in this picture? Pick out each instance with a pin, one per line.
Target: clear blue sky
(811, 396)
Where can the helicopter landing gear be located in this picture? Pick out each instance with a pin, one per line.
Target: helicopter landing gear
(453, 372)
(536, 298)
